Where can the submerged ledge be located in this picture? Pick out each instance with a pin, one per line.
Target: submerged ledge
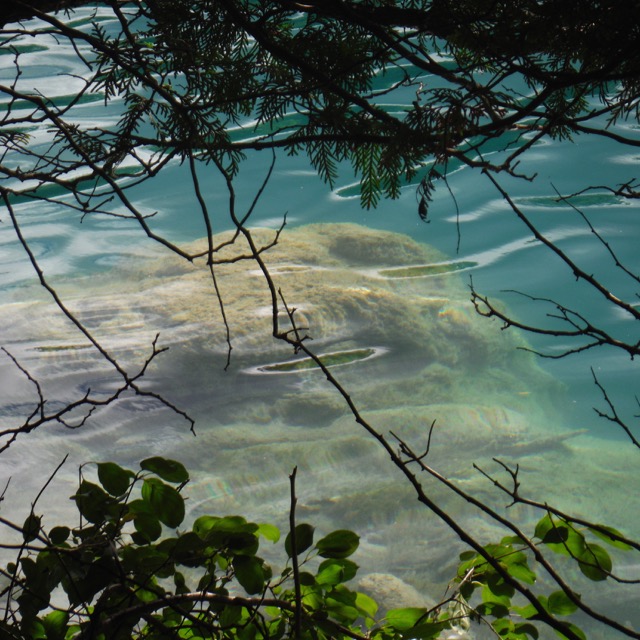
(423, 270)
(333, 359)
(61, 347)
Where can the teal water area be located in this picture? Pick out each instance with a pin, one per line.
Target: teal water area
(375, 287)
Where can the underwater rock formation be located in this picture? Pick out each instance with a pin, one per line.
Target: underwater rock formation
(392, 593)
(410, 350)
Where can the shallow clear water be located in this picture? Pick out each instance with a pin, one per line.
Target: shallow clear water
(434, 358)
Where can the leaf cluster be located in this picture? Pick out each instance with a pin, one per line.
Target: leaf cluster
(129, 571)
(481, 576)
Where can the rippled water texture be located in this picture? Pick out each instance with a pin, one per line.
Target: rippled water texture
(384, 298)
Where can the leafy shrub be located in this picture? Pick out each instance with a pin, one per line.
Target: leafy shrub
(129, 571)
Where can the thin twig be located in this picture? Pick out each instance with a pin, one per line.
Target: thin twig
(297, 616)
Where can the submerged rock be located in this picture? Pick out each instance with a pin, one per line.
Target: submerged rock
(390, 592)
(428, 358)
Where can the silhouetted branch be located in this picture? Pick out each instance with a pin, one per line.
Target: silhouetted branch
(517, 498)
(579, 273)
(297, 616)
(612, 416)
(601, 240)
(582, 328)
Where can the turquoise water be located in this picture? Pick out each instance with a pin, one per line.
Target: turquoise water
(433, 356)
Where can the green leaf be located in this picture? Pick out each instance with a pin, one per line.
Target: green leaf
(560, 604)
(82, 582)
(467, 589)
(564, 539)
(33, 628)
(232, 533)
(578, 632)
(312, 598)
(58, 535)
(503, 627)
(528, 628)
(304, 539)
(269, 532)
(500, 590)
(231, 616)
(595, 562)
(138, 506)
(114, 478)
(517, 566)
(188, 550)
(166, 503)
(208, 583)
(55, 625)
(343, 613)
(146, 595)
(41, 579)
(366, 606)
(575, 543)
(493, 593)
(336, 571)
(618, 544)
(148, 526)
(231, 524)
(495, 609)
(307, 579)
(181, 587)
(93, 503)
(407, 618)
(249, 572)
(506, 628)
(427, 631)
(204, 524)
(31, 527)
(521, 571)
(341, 603)
(556, 535)
(543, 527)
(338, 544)
(528, 611)
(168, 470)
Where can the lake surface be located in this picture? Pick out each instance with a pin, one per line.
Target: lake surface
(412, 349)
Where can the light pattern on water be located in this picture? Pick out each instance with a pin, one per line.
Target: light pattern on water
(436, 360)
